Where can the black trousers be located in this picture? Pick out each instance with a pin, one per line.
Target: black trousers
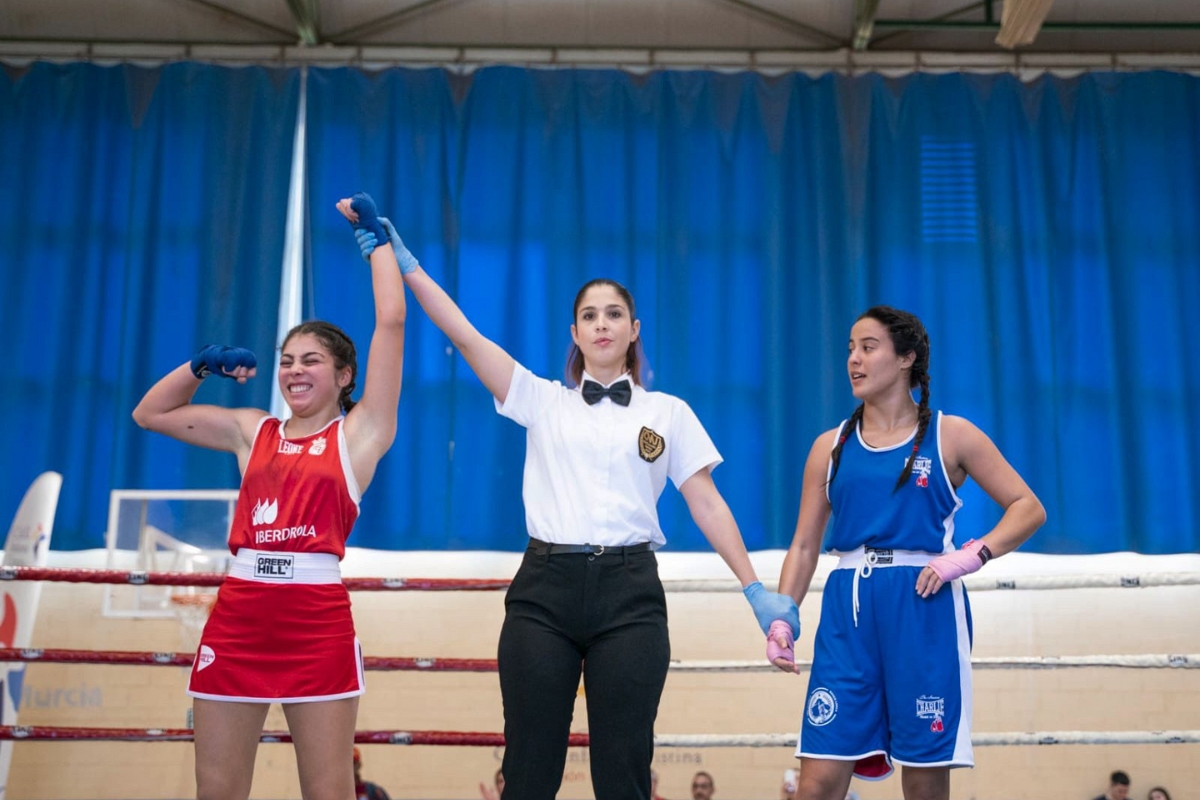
(604, 615)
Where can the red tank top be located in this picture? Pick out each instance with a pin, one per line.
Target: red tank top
(298, 495)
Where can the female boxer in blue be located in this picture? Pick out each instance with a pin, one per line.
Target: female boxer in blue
(891, 675)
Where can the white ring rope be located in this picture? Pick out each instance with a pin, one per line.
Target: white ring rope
(1086, 737)
(984, 583)
(978, 739)
(1149, 661)
(978, 583)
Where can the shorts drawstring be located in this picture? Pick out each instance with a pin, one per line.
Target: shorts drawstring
(863, 570)
(865, 560)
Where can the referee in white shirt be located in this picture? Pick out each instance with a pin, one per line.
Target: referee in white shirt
(587, 597)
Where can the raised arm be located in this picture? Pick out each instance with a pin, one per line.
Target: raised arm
(969, 453)
(168, 409)
(487, 359)
(371, 424)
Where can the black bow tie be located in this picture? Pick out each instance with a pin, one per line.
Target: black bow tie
(620, 393)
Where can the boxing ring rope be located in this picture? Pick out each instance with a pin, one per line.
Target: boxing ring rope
(974, 583)
(478, 739)
(137, 577)
(401, 664)
(28, 733)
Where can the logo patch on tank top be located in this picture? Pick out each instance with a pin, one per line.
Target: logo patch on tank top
(821, 707)
(264, 513)
(650, 445)
(317, 447)
(276, 566)
(922, 466)
(932, 708)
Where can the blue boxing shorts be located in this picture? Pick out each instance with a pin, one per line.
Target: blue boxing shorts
(891, 675)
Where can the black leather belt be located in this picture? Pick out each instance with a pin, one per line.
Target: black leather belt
(540, 548)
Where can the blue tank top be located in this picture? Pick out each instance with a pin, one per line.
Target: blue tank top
(866, 512)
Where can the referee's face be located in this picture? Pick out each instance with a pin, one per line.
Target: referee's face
(603, 330)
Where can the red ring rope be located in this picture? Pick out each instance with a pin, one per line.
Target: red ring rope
(167, 659)
(31, 733)
(138, 577)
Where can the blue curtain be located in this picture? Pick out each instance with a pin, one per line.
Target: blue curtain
(141, 217)
(1044, 232)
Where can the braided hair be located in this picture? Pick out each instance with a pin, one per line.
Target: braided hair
(339, 345)
(908, 336)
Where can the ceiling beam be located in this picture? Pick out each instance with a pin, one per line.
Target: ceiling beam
(864, 22)
(986, 5)
(245, 18)
(23, 51)
(953, 25)
(307, 14)
(793, 25)
(390, 20)
(1020, 21)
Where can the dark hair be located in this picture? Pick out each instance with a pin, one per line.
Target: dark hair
(908, 336)
(1165, 793)
(634, 356)
(707, 775)
(335, 340)
(1119, 778)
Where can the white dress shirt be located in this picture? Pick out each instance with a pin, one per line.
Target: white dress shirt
(593, 474)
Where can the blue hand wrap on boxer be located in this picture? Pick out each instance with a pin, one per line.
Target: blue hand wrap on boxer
(368, 217)
(367, 243)
(770, 606)
(217, 359)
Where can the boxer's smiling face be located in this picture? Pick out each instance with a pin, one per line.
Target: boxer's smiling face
(308, 378)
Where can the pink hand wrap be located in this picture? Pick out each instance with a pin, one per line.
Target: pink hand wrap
(780, 628)
(961, 562)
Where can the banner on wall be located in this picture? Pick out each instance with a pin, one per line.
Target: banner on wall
(27, 544)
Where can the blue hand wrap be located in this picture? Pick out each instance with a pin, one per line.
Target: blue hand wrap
(406, 260)
(367, 243)
(770, 606)
(368, 217)
(217, 359)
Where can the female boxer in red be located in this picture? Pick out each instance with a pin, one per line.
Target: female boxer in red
(281, 629)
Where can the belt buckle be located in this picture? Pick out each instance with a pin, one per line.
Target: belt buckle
(599, 552)
(879, 555)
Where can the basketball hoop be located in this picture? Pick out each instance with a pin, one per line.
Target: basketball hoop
(192, 611)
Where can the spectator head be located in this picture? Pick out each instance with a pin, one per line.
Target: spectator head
(702, 786)
(1118, 788)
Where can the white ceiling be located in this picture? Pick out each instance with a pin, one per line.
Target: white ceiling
(339, 29)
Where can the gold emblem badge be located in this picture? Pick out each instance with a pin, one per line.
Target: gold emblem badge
(650, 445)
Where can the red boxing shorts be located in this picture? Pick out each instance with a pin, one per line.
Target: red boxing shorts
(280, 632)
